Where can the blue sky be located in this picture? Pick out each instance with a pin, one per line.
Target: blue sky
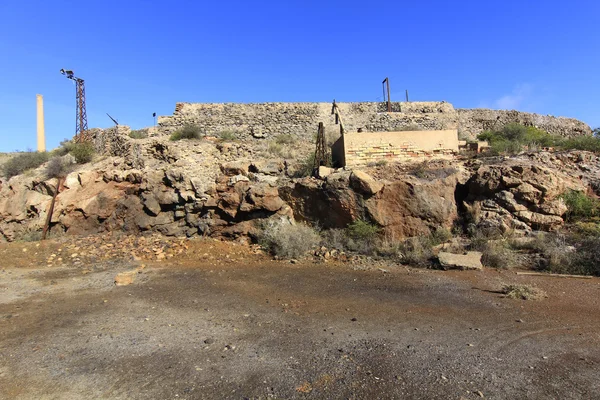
(140, 57)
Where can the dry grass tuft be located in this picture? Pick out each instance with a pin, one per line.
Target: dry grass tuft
(523, 292)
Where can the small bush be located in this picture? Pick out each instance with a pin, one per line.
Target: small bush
(139, 134)
(187, 132)
(440, 235)
(57, 168)
(22, 162)
(513, 138)
(417, 251)
(29, 235)
(83, 152)
(587, 257)
(227, 136)
(61, 150)
(287, 240)
(497, 255)
(285, 139)
(335, 239)
(362, 230)
(580, 206)
(495, 249)
(523, 292)
(305, 168)
(588, 143)
(422, 170)
(588, 228)
(409, 128)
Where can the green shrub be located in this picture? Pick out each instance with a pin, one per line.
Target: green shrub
(288, 240)
(513, 138)
(187, 132)
(588, 228)
(362, 230)
(580, 206)
(439, 236)
(139, 134)
(83, 152)
(227, 136)
(285, 139)
(588, 143)
(62, 149)
(22, 162)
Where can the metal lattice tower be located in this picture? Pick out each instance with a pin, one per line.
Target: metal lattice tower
(81, 124)
(321, 149)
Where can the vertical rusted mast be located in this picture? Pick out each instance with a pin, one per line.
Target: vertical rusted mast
(81, 124)
(386, 84)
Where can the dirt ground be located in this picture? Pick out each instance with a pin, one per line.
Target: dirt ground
(217, 321)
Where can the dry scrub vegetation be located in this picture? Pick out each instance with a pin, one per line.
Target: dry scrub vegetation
(523, 292)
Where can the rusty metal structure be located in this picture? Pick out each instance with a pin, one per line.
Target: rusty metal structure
(335, 111)
(81, 124)
(386, 85)
(321, 153)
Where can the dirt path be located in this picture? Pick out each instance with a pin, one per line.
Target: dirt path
(219, 322)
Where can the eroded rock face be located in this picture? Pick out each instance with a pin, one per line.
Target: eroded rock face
(405, 207)
(521, 196)
(198, 188)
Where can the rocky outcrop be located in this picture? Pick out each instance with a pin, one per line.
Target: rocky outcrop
(407, 206)
(208, 187)
(518, 195)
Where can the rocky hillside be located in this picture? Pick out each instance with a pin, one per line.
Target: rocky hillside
(216, 188)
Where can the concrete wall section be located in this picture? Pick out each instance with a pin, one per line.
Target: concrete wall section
(367, 147)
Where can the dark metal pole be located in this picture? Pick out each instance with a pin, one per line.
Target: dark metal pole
(407, 95)
(389, 101)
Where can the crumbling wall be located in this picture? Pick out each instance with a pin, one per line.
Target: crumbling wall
(266, 120)
(471, 122)
(302, 119)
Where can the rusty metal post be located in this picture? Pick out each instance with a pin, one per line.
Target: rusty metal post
(386, 84)
(59, 184)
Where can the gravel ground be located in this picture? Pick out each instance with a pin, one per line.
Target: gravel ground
(220, 322)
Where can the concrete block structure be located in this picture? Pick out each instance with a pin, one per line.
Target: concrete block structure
(360, 148)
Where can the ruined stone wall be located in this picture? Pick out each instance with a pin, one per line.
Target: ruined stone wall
(302, 119)
(471, 122)
(266, 120)
(371, 147)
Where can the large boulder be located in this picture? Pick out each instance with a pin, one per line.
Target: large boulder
(467, 261)
(364, 183)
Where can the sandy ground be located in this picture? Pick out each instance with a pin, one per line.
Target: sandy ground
(219, 322)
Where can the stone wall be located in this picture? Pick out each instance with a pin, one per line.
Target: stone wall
(266, 120)
(370, 147)
(473, 121)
